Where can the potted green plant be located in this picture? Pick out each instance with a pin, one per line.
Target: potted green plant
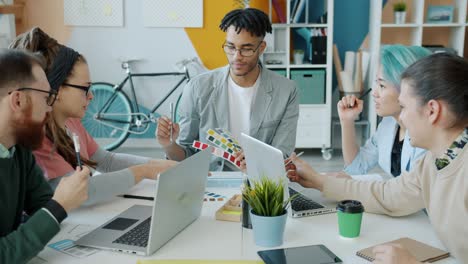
(268, 213)
(399, 12)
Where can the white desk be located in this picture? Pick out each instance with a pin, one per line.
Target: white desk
(207, 238)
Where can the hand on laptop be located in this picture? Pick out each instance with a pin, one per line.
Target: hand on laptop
(304, 174)
(163, 131)
(72, 190)
(393, 254)
(152, 169)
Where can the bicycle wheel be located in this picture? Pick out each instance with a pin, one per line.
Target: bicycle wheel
(109, 134)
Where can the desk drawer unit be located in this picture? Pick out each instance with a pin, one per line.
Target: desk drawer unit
(313, 127)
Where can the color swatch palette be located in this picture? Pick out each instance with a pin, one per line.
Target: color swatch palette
(224, 141)
(213, 197)
(217, 152)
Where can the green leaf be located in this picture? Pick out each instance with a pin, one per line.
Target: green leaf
(399, 7)
(266, 197)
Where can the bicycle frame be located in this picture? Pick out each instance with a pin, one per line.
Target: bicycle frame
(146, 118)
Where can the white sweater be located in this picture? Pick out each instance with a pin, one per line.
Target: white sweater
(443, 192)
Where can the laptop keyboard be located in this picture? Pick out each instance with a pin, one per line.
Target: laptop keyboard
(138, 236)
(302, 203)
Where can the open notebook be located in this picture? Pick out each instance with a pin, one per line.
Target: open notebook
(422, 252)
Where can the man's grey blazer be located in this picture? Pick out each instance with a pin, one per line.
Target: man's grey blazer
(205, 105)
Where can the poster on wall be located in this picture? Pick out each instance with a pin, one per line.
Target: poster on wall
(107, 13)
(173, 13)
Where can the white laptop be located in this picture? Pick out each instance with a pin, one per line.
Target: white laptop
(265, 160)
(144, 229)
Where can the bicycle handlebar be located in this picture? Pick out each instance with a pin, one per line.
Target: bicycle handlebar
(182, 65)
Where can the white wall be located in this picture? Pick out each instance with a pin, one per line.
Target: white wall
(160, 49)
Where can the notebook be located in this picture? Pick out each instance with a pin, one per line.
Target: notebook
(422, 252)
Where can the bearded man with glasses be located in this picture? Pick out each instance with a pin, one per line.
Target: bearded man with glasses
(242, 97)
(25, 102)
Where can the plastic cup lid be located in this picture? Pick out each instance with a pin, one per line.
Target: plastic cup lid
(350, 206)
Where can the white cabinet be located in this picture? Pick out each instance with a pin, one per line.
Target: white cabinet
(313, 129)
(310, 30)
(416, 31)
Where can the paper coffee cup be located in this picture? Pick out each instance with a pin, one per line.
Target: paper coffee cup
(349, 218)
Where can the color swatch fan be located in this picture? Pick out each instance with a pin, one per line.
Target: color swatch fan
(225, 145)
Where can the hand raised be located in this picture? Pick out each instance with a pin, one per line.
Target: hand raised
(163, 131)
(349, 108)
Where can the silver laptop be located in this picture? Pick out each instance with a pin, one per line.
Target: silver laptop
(265, 160)
(144, 229)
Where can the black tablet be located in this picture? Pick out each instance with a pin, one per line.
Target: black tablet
(314, 254)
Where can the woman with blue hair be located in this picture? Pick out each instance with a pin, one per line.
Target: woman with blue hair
(389, 147)
(434, 111)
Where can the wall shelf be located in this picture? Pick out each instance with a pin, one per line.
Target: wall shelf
(313, 76)
(399, 25)
(417, 32)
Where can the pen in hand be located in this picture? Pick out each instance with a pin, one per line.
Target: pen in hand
(76, 143)
(362, 96)
(365, 93)
(290, 160)
(172, 119)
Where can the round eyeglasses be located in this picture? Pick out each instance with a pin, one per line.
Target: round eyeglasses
(244, 52)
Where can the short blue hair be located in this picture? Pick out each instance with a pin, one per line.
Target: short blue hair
(396, 58)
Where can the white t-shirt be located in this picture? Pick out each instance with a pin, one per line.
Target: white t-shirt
(240, 105)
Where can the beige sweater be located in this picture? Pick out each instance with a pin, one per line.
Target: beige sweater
(444, 193)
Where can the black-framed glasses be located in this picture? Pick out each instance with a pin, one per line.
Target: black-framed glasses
(244, 52)
(50, 99)
(81, 87)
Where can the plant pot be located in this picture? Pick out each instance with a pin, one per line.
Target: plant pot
(400, 17)
(298, 57)
(268, 231)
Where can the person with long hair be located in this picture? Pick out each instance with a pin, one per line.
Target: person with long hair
(25, 102)
(389, 147)
(434, 110)
(68, 74)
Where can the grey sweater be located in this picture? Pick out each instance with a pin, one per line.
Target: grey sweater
(114, 178)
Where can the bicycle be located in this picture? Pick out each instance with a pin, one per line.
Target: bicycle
(111, 116)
